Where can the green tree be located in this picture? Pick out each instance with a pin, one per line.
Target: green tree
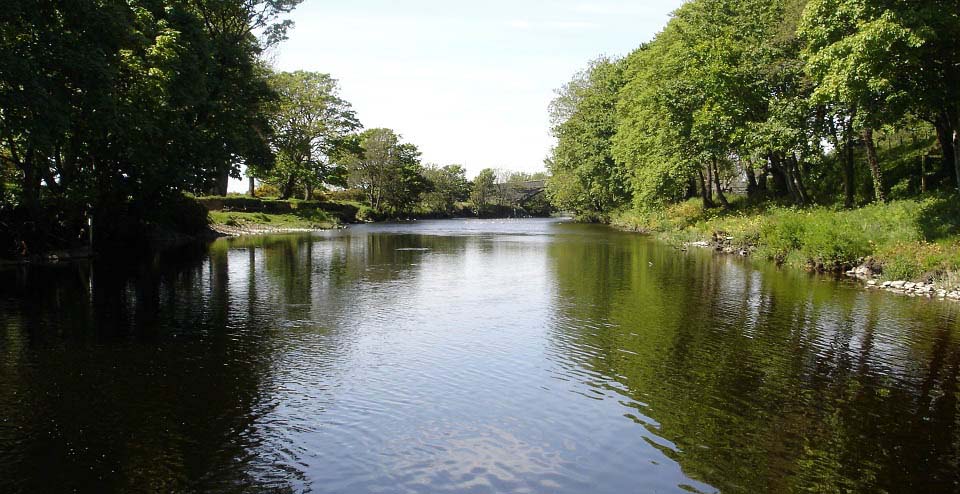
(448, 186)
(585, 178)
(387, 170)
(113, 108)
(859, 52)
(309, 122)
(484, 189)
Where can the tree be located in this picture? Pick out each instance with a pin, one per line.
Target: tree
(387, 170)
(585, 177)
(859, 52)
(114, 108)
(484, 189)
(448, 185)
(309, 122)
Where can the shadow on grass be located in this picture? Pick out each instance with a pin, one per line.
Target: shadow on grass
(940, 218)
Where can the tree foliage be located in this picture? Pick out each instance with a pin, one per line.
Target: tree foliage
(310, 124)
(387, 170)
(585, 177)
(110, 108)
(782, 98)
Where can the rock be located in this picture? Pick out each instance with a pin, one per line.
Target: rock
(886, 284)
(954, 295)
(942, 293)
(872, 283)
(898, 284)
(909, 286)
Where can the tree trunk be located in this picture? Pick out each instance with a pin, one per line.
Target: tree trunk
(782, 179)
(253, 187)
(288, 187)
(956, 154)
(849, 170)
(945, 136)
(798, 180)
(704, 191)
(716, 180)
(710, 182)
(874, 163)
(223, 182)
(752, 186)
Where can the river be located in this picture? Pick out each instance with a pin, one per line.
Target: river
(470, 356)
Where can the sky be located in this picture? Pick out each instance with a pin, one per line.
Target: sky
(467, 82)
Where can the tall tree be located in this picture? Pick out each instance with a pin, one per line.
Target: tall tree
(859, 51)
(387, 170)
(585, 178)
(448, 185)
(484, 189)
(309, 122)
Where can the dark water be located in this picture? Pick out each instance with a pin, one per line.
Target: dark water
(470, 356)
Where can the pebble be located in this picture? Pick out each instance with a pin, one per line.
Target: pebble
(912, 289)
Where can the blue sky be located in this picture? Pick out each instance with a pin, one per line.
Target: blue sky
(467, 82)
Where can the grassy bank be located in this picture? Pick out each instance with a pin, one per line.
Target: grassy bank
(915, 240)
(236, 214)
(299, 220)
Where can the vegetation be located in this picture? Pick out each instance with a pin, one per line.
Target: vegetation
(310, 125)
(909, 239)
(768, 123)
(306, 219)
(110, 110)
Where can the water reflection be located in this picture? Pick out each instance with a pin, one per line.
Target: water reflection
(469, 356)
(763, 381)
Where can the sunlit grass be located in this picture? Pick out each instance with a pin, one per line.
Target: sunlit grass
(300, 219)
(909, 239)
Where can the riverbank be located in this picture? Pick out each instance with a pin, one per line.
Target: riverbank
(916, 241)
(233, 223)
(244, 215)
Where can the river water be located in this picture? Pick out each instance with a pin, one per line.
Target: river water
(470, 356)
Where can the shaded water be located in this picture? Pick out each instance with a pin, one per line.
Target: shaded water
(470, 356)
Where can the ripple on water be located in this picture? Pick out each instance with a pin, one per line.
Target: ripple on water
(475, 356)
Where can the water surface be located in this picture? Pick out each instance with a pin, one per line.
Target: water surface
(469, 356)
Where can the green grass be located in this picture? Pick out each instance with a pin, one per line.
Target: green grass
(913, 239)
(300, 219)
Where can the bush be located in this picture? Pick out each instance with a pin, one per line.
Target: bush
(781, 235)
(830, 243)
(365, 214)
(180, 212)
(919, 260)
(267, 190)
(352, 195)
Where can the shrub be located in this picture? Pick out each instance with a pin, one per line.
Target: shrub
(781, 235)
(267, 190)
(830, 243)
